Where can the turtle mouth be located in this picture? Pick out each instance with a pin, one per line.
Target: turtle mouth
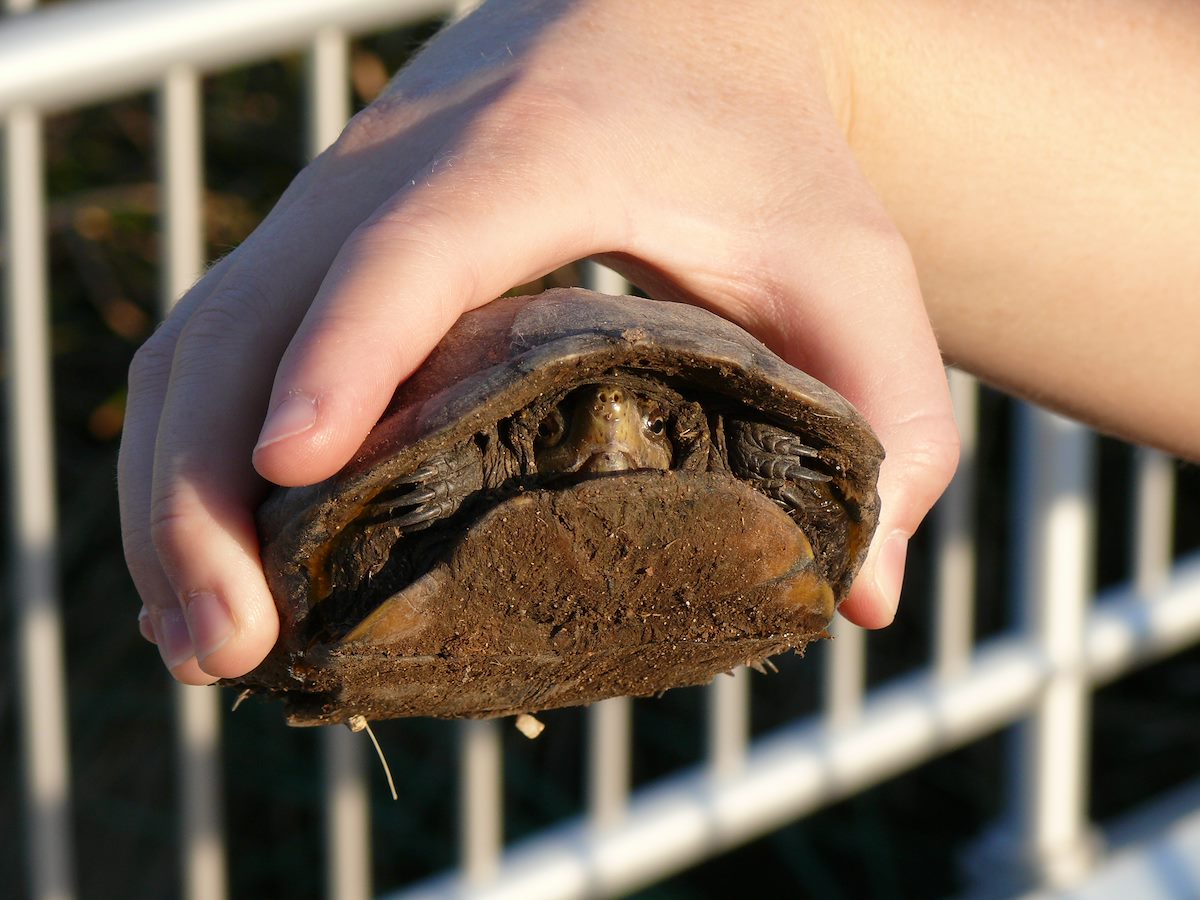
(608, 461)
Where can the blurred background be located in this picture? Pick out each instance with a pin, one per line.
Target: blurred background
(928, 831)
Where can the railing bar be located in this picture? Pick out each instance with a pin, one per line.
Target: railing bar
(481, 810)
(845, 672)
(1055, 464)
(198, 714)
(181, 174)
(954, 541)
(728, 722)
(1154, 518)
(202, 848)
(85, 52)
(603, 280)
(346, 805)
(1126, 630)
(328, 88)
(347, 815)
(37, 615)
(608, 760)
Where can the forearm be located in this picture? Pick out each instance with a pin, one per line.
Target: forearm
(1040, 167)
(1043, 162)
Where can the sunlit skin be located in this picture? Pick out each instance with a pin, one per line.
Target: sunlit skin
(604, 428)
(865, 187)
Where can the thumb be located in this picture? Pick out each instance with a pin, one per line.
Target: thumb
(848, 311)
(895, 377)
(922, 453)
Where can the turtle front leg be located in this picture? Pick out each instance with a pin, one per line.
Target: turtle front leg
(788, 471)
(434, 491)
(776, 462)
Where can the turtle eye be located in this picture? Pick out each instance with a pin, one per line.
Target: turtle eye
(550, 429)
(656, 424)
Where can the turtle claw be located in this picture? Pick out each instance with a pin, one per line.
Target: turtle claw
(424, 473)
(789, 495)
(433, 491)
(787, 469)
(781, 443)
(421, 495)
(421, 517)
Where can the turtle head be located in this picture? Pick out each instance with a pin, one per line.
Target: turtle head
(603, 427)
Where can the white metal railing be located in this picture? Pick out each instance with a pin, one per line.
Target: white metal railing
(38, 628)
(1041, 674)
(73, 54)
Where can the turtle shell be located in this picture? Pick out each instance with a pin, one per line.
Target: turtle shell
(548, 594)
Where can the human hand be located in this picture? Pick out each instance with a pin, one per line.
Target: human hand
(694, 147)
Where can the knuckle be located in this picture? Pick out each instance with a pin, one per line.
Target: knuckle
(233, 309)
(233, 313)
(531, 113)
(415, 229)
(151, 364)
(172, 526)
(211, 325)
(143, 567)
(142, 561)
(940, 449)
(931, 448)
(372, 125)
(235, 320)
(881, 248)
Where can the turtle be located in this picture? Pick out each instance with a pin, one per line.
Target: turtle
(576, 496)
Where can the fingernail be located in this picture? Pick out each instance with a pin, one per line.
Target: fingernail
(208, 622)
(293, 416)
(889, 569)
(145, 626)
(172, 636)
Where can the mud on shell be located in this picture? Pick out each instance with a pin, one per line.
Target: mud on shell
(575, 497)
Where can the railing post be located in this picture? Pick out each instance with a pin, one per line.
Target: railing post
(1154, 477)
(198, 714)
(481, 804)
(609, 727)
(728, 722)
(347, 809)
(954, 540)
(845, 673)
(1056, 532)
(37, 617)
(1047, 840)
